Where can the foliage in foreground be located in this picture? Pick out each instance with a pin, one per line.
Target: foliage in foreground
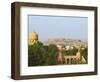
(39, 55)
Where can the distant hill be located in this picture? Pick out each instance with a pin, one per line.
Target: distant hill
(64, 41)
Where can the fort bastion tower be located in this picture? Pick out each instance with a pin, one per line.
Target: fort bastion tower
(33, 37)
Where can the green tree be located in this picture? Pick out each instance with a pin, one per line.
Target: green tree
(38, 54)
(74, 51)
(52, 54)
(35, 54)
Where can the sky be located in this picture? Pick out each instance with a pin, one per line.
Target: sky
(58, 27)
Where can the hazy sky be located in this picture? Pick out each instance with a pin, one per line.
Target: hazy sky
(58, 26)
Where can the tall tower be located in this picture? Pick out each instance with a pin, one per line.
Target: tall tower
(78, 55)
(33, 37)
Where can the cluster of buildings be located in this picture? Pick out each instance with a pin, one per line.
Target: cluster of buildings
(71, 58)
(67, 59)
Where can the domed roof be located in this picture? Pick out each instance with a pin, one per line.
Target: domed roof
(33, 36)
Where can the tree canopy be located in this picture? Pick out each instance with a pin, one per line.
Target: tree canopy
(38, 54)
